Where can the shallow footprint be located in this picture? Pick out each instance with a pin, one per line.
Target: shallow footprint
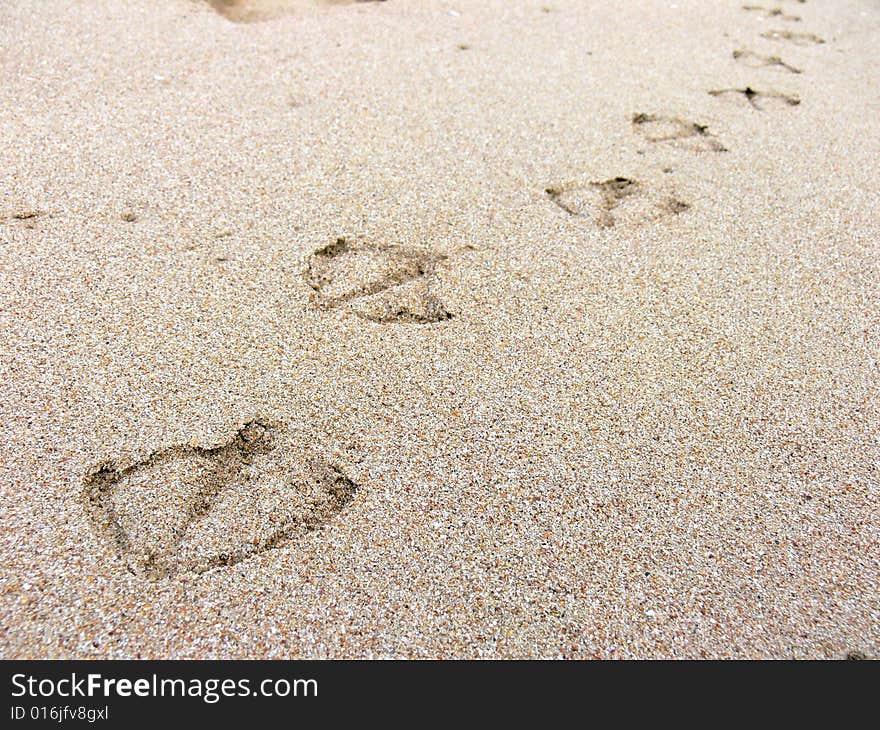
(618, 200)
(26, 218)
(799, 39)
(410, 303)
(278, 498)
(680, 132)
(756, 60)
(778, 13)
(249, 11)
(188, 508)
(348, 270)
(759, 100)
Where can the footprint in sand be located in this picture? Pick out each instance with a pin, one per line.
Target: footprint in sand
(385, 284)
(618, 200)
(799, 39)
(760, 100)
(246, 11)
(191, 509)
(756, 60)
(679, 132)
(26, 217)
(777, 13)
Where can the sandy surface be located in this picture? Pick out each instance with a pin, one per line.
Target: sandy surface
(300, 358)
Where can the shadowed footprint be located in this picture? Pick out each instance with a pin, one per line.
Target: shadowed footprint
(190, 509)
(756, 60)
(799, 39)
(778, 13)
(616, 200)
(759, 99)
(386, 284)
(682, 133)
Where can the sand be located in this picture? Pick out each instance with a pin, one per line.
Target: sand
(473, 328)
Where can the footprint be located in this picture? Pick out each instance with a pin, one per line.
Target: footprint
(246, 11)
(191, 509)
(759, 99)
(596, 199)
(243, 11)
(410, 303)
(756, 60)
(773, 13)
(799, 39)
(26, 217)
(613, 201)
(688, 135)
(387, 284)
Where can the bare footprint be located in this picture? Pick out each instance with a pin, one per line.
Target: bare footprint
(613, 201)
(381, 283)
(799, 39)
(190, 509)
(759, 100)
(682, 133)
(756, 60)
(778, 13)
(248, 11)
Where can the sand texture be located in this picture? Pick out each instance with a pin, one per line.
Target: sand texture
(473, 328)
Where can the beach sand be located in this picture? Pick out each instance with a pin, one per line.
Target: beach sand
(473, 328)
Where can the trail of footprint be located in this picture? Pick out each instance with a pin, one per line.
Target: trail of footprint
(613, 201)
(773, 13)
(385, 284)
(190, 509)
(757, 98)
(682, 133)
(799, 39)
(756, 60)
